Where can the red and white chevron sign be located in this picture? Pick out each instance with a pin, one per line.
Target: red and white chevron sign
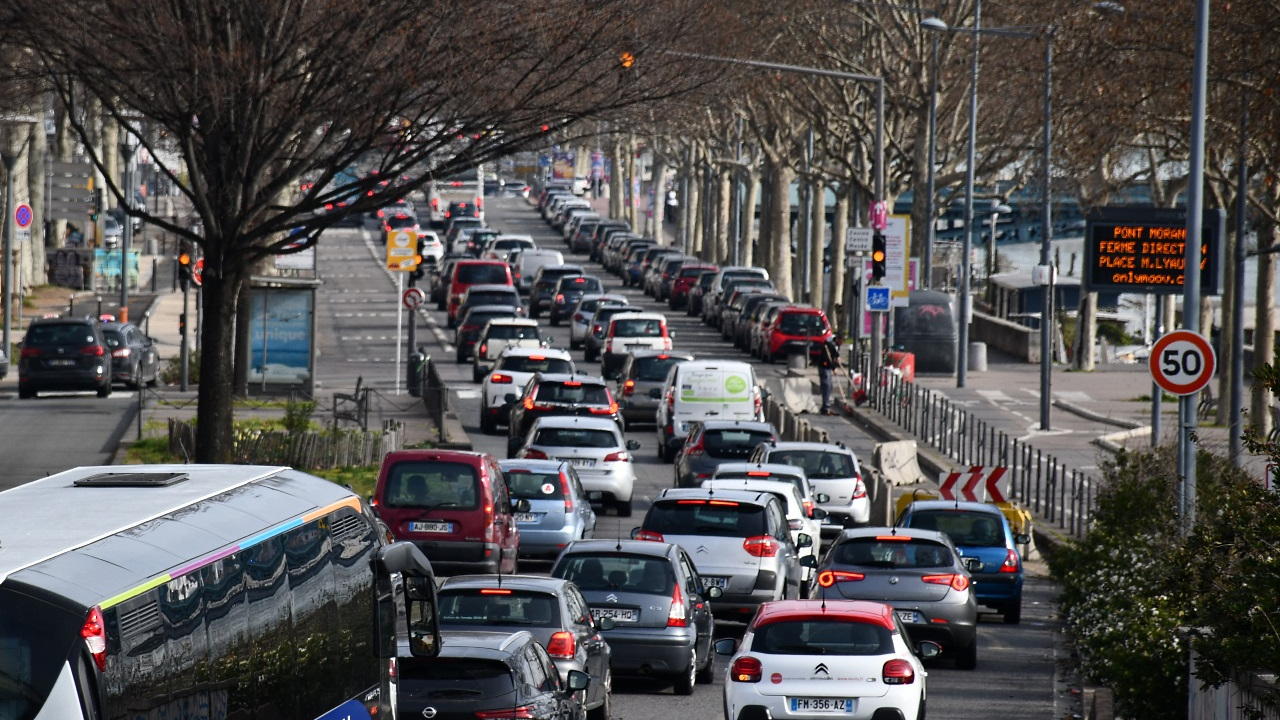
(977, 484)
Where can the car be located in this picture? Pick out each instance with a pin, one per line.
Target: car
(458, 233)
(662, 616)
(549, 393)
(134, 359)
(559, 509)
(740, 541)
(542, 290)
(487, 675)
(918, 573)
(511, 372)
(978, 530)
(432, 248)
(774, 472)
(642, 372)
(474, 240)
(64, 354)
(593, 343)
(525, 267)
(580, 238)
(796, 329)
(683, 283)
(730, 301)
(699, 291)
(580, 316)
(473, 321)
(498, 335)
(704, 390)
(603, 231)
(112, 232)
(711, 297)
(751, 324)
(473, 272)
(631, 332)
(453, 505)
(596, 449)
(438, 278)
(500, 248)
(740, 323)
(401, 221)
(566, 293)
(802, 645)
(833, 470)
(800, 512)
(495, 294)
(461, 209)
(711, 442)
(552, 610)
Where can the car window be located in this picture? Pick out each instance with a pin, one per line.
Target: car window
(514, 332)
(482, 274)
(974, 529)
(898, 552)
(817, 464)
(498, 606)
(693, 583)
(552, 682)
(578, 612)
(803, 324)
(575, 437)
(645, 574)
(432, 483)
(492, 297)
(653, 368)
(572, 392)
(721, 518)
(501, 503)
(533, 484)
(488, 678)
(401, 222)
(535, 363)
(637, 327)
(733, 442)
(581, 284)
(66, 334)
(578, 491)
(114, 338)
(813, 636)
(537, 673)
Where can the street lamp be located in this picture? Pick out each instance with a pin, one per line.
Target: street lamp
(127, 150)
(926, 262)
(993, 262)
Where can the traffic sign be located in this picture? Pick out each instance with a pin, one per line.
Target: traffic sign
(402, 248)
(977, 484)
(878, 298)
(1182, 362)
(22, 216)
(858, 240)
(413, 298)
(197, 272)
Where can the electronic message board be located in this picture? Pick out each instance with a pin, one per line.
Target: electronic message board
(1143, 250)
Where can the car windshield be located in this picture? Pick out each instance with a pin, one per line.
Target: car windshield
(972, 529)
(493, 297)
(899, 551)
(534, 485)
(575, 437)
(654, 369)
(534, 363)
(637, 327)
(724, 518)
(64, 334)
(827, 636)
(401, 222)
(427, 679)
(642, 574)
(498, 606)
(479, 274)
(803, 324)
(573, 392)
(432, 484)
(514, 332)
(817, 464)
(733, 442)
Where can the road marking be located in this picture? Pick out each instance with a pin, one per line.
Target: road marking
(1073, 396)
(363, 314)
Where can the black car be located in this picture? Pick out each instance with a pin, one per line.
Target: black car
(134, 359)
(543, 288)
(559, 394)
(699, 291)
(64, 354)
(569, 289)
(712, 442)
(487, 675)
(472, 322)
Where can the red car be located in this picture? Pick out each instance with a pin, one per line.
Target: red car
(474, 272)
(684, 282)
(453, 505)
(796, 328)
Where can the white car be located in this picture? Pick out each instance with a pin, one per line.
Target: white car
(800, 517)
(498, 335)
(595, 448)
(500, 248)
(513, 368)
(633, 331)
(804, 659)
(431, 245)
(580, 317)
(833, 470)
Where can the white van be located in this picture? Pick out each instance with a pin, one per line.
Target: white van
(704, 389)
(528, 264)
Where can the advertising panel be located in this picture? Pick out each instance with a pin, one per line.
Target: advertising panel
(280, 336)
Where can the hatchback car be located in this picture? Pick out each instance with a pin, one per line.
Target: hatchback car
(548, 394)
(795, 329)
(684, 282)
(663, 624)
(511, 371)
(832, 470)
(559, 509)
(739, 540)
(500, 334)
(593, 344)
(487, 675)
(64, 354)
(712, 442)
(919, 573)
(978, 530)
(568, 290)
(490, 295)
(471, 323)
(552, 610)
(644, 371)
(628, 333)
(801, 516)
(580, 316)
(802, 646)
(595, 448)
(134, 359)
(542, 289)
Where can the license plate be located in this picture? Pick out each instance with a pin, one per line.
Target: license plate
(639, 346)
(710, 582)
(617, 614)
(908, 616)
(528, 517)
(822, 705)
(431, 527)
(62, 362)
(579, 462)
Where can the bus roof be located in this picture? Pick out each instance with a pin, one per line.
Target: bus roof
(97, 544)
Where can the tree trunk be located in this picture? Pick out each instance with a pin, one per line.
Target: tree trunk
(633, 185)
(61, 153)
(820, 294)
(1264, 332)
(800, 240)
(724, 207)
(616, 183)
(1086, 331)
(37, 154)
(111, 155)
(779, 220)
(1224, 348)
(214, 440)
(764, 250)
(693, 204)
(747, 219)
(658, 208)
(835, 307)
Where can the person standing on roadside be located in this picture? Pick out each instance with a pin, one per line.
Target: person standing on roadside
(828, 363)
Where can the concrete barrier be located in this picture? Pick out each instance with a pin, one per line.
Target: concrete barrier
(1008, 337)
(899, 462)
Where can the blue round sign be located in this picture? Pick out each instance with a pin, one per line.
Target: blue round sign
(23, 216)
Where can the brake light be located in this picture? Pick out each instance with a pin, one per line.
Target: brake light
(524, 712)
(484, 349)
(697, 448)
(572, 383)
(827, 578)
(121, 353)
(1011, 562)
(597, 330)
(859, 488)
(620, 456)
(649, 536)
(562, 645)
(959, 583)
(808, 507)
(488, 522)
(435, 203)
(676, 615)
(629, 387)
(893, 538)
(761, 546)
(746, 669)
(93, 350)
(500, 379)
(564, 490)
(532, 454)
(30, 352)
(612, 409)
(94, 632)
(898, 672)
(560, 298)
(495, 591)
(528, 402)
(758, 473)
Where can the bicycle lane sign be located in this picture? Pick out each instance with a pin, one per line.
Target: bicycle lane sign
(1182, 362)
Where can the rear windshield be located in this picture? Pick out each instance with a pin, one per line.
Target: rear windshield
(817, 464)
(534, 363)
(509, 243)
(724, 518)
(114, 338)
(691, 272)
(534, 485)
(575, 437)
(493, 297)
(432, 483)
(822, 637)
(514, 332)
(580, 284)
(654, 369)
(576, 393)
(441, 678)
(64, 334)
(964, 528)
(900, 553)
(482, 274)
(733, 442)
(478, 320)
(498, 606)
(637, 327)
(802, 324)
(400, 222)
(746, 475)
(629, 573)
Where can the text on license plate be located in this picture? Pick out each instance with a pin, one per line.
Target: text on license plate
(580, 462)
(638, 346)
(528, 517)
(430, 527)
(907, 616)
(831, 705)
(710, 582)
(61, 362)
(618, 614)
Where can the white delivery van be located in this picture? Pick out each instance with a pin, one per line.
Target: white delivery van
(703, 390)
(530, 261)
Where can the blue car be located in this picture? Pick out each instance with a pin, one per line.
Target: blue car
(559, 510)
(978, 530)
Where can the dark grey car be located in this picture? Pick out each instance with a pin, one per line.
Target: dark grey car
(134, 359)
(64, 354)
(713, 442)
(642, 372)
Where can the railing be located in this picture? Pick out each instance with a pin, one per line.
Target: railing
(308, 449)
(435, 395)
(1039, 481)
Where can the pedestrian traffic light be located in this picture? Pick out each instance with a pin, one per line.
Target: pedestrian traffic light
(878, 255)
(182, 324)
(627, 59)
(419, 270)
(184, 270)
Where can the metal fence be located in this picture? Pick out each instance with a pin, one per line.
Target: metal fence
(1039, 481)
(435, 395)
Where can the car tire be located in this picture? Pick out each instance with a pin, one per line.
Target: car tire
(604, 710)
(105, 391)
(575, 344)
(25, 394)
(623, 507)
(967, 657)
(155, 377)
(459, 358)
(555, 321)
(1012, 612)
(487, 425)
(476, 375)
(707, 674)
(686, 680)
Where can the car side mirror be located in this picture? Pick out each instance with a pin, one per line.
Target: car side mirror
(713, 592)
(928, 649)
(822, 498)
(578, 680)
(635, 532)
(548, 340)
(606, 623)
(973, 564)
(671, 334)
(809, 561)
(655, 393)
(520, 505)
(804, 540)
(818, 514)
(633, 444)
(726, 646)
(1022, 539)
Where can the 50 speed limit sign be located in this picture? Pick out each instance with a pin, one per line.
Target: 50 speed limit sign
(1182, 362)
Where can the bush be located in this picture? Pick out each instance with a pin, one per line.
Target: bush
(171, 373)
(297, 415)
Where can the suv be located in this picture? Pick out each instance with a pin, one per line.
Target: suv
(489, 675)
(628, 333)
(64, 354)
(568, 290)
(832, 470)
(559, 394)
(453, 505)
(593, 343)
(473, 272)
(513, 368)
(134, 359)
(740, 540)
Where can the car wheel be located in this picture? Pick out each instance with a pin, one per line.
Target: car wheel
(604, 710)
(135, 382)
(685, 682)
(967, 657)
(25, 394)
(155, 377)
(105, 391)
(623, 507)
(459, 358)
(1013, 611)
(575, 344)
(487, 425)
(920, 711)
(707, 674)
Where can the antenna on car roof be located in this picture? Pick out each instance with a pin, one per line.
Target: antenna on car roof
(618, 547)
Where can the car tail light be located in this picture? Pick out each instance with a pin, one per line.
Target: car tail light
(435, 203)
(957, 582)
(500, 379)
(629, 388)
(649, 536)
(697, 448)
(612, 409)
(94, 632)
(572, 383)
(859, 488)
(676, 616)
(746, 669)
(484, 349)
(597, 330)
(560, 298)
(808, 508)
(562, 645)
(1011, 562)
(93, 350)
(30, 352)
(328, 206)
(523, 712)
(761, 546)
(827, 578)
(120, 353)
(898, 672)
(620, 456)
(578, 317)
(564, 490)
(532, 454)
(495, 591)
(759, 403)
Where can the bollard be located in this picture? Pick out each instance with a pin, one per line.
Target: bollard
(416, 368)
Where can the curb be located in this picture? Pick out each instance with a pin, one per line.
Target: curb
(1096, 416)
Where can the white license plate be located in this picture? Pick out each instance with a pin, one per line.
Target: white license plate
(710, 582)
(639, 346)
(528, 517)
(431, 527)
(617, 614)
(822, 705)
(579, 462)
(908, 616)
(63, 362)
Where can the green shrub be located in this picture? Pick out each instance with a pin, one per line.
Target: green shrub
(297, 415)
(171, 373)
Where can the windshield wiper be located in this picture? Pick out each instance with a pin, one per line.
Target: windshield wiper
(433, 508)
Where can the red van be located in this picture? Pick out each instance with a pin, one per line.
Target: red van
(453, 505)
(474, 272)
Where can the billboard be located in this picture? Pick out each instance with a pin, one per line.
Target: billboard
(1143, 250)
(280, 336)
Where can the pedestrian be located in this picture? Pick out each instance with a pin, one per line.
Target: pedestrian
(828, 363)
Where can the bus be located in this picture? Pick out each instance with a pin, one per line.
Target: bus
(208, 592)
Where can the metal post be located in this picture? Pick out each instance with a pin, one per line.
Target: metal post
(926, 259)
(400, 320)
(738, 200)
(962, 360)
(10, 161)
(126, 154)
(1046, 242)
(1236, 404)
(184, 347)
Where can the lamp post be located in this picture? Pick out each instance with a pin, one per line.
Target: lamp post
(993, 262)
(127, 149)
(10, 160)
(926, 261)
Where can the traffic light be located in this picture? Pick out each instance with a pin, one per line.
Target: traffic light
(182, 323)
(419, 270)
(98, 201)
(878, 254)
(184, 272)
(627, 59)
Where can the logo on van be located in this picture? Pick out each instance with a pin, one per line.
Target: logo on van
(735, 384)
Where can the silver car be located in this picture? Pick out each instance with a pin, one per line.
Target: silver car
(580, 317)
(559, 511)
(644, 371)
(833, 470)
(595, 448)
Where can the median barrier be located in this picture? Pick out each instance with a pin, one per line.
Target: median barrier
(898, 461)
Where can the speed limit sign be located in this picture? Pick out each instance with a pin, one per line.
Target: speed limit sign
(1182, 362)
